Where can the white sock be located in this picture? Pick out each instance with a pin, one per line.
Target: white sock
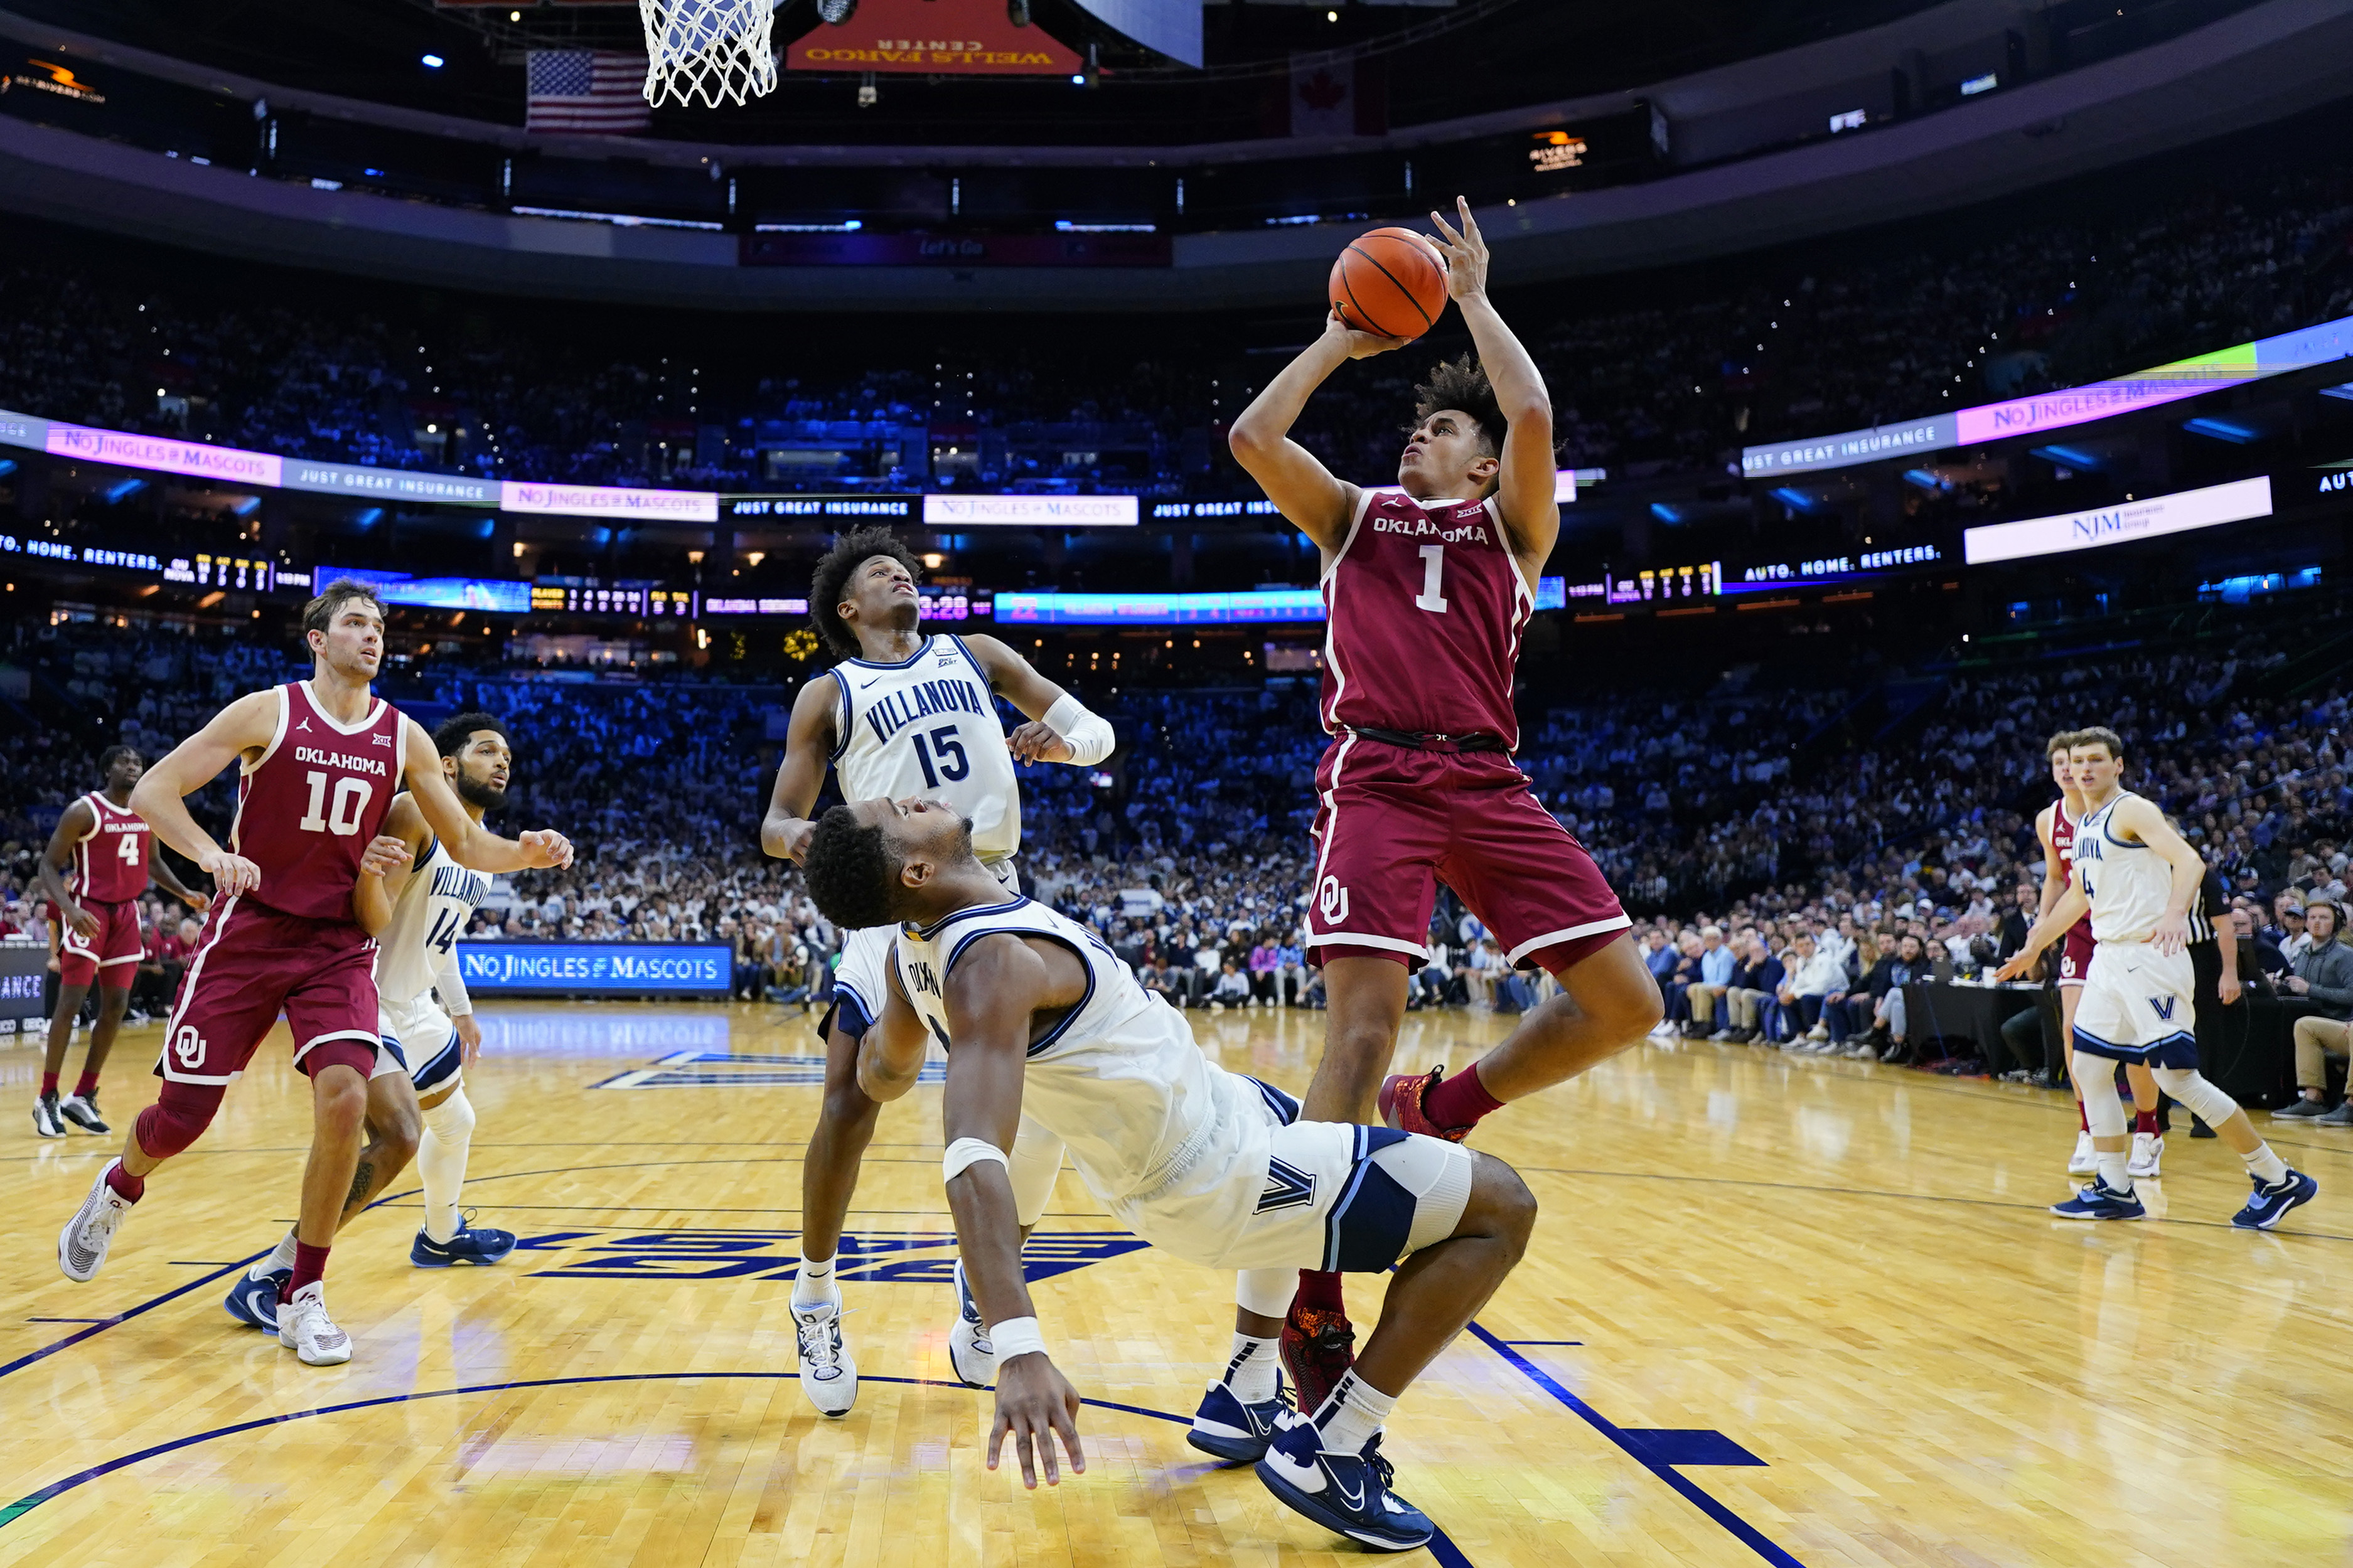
(280, 1259)
(2265, 1165)
(441, 1161)
(2112, 1169)
(1352, 1416)
(1251, 1373)
(814, 1286)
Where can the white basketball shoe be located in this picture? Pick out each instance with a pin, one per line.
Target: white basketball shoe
(81, 1245)
(2085, 1159)
(828, 1372)
(305, 1328)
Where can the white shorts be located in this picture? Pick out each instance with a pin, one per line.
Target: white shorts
(1336, 1197)
(862, 979)
(2138, 1005)
(418, 1039)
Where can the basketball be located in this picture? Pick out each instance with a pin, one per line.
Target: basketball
(1389, 283)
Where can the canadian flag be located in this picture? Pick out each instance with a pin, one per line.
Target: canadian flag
(1337, 97)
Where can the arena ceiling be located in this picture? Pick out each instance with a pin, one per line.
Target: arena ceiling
(1431, 61)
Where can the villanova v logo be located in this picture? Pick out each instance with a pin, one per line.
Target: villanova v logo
(2162, 1006)
(1287, 1187)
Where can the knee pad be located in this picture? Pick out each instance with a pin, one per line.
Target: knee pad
(2192, 1089)
(178, 1117)
(2103, 1108)
(452, 1121)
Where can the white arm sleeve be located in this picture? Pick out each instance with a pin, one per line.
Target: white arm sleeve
(451, 985)
(1090, 737)
(1036, 1161)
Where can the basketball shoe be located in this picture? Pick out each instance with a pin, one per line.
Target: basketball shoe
(2085, 1159)
(482, 1248)
(81, 1110)
(2147, 1156)
(305, 1328)
(45, 1120)
(1234, 1431)
(2100, 1200)
(969, 1350)
(1401, 1102)
(253, 1300)
(1348, 1493)
(81, 1245)
(1318, 1349)
(2270, 1203)
(828, 1372)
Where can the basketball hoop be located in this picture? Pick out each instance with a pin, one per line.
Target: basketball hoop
(707, 52)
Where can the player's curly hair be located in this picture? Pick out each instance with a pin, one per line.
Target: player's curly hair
(850, 870)
(833, 569)
(1463, 383)
(451, 735)
(106, 758)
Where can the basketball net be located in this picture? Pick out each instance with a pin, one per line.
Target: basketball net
(707, 52)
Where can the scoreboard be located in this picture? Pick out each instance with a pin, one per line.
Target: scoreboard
(556, 595)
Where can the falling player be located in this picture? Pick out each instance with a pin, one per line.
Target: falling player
(416, 1104)
(1425, 592)
(320, 760)
(2137, 876)
(2055, 826)
(902, 711)
(98, 861)
(1048, 1026)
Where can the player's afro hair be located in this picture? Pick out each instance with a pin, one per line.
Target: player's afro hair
(1463, 383)
(850, 870)
(451, 735)
(832, 574)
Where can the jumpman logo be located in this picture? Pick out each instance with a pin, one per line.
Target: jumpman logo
(304, 726)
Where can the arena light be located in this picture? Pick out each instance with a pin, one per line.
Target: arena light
(434, 62)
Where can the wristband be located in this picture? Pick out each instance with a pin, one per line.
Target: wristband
(1016, 1336)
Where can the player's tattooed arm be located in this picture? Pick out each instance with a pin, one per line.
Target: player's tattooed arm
(890, 1054)
(785, 831)
(991, 994)
(470, 843)
(242, 729)
(57, 865)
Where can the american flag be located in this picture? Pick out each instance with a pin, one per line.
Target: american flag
(587, 89)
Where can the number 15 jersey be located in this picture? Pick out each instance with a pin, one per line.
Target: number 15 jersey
(927, 725)
(308, 806)
(1424, 607)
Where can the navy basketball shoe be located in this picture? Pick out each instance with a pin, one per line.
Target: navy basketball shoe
(1348, 1493)
(2270, 1203)
(1234, 1431)
(480, 1247)
(2100, 1200)
(253, 1300)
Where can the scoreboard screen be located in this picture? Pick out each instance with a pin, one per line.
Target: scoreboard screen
(637, 602)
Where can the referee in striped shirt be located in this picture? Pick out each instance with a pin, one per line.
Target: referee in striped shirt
(2221, 1025)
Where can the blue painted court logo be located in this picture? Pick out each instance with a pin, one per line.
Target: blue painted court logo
(884, 1258)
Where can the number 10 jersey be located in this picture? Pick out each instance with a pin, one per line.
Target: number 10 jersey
(927, 725)
(308, 806)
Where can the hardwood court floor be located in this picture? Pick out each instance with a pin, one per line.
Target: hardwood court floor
(1776, 1310)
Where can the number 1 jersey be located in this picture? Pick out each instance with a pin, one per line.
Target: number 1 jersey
(927, 725)
(308, 806)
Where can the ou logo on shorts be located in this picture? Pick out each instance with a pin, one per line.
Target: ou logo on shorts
(188, 1046)
(1333, 900)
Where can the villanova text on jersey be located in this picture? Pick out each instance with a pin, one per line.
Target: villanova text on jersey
(894, 710)
(458, 883)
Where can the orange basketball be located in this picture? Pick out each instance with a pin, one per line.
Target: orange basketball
(1389, 283)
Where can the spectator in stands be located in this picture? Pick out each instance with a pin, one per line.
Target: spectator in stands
(1753, 983)
(1809, 977)
(2257, 954)
(1232, 988)
(1264, 961)
(2026, 902)
(1291, 972)
(2324, 977)
(1716, 962)
(1883, 998)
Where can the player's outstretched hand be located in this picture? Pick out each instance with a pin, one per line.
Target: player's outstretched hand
(2020, 962)
(546, 849)
(1036, 742)
(1034, 1402)
(1465, 253)
(231, 874)
(384, 854)
(1360, 345)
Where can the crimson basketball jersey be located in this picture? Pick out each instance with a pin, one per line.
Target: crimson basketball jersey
(2062, 844)
(307, 807)
(1424, 606)
(110, 859)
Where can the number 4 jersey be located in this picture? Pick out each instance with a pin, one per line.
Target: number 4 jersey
(927, 725)
(308, 806)
(1424, 608)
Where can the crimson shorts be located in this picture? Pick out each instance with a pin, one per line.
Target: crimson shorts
(1390, 822)
(253, 962)
(116, 947)
(2076, 955)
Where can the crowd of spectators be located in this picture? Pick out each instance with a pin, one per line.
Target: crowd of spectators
(1668, 373)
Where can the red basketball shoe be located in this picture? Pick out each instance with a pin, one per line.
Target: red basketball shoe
(1401, 1101)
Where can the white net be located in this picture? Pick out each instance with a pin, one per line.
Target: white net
(707, 52)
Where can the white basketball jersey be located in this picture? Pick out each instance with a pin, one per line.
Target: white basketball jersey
(433, 908)
(1175, 1145)
(928, 725)
(2130, 884)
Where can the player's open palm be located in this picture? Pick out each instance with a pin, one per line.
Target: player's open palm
(1034, 1402)
(1464, 252)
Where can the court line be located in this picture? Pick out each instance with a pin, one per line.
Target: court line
(1690, 1490)
(1441, 1547)
(99, 1325)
